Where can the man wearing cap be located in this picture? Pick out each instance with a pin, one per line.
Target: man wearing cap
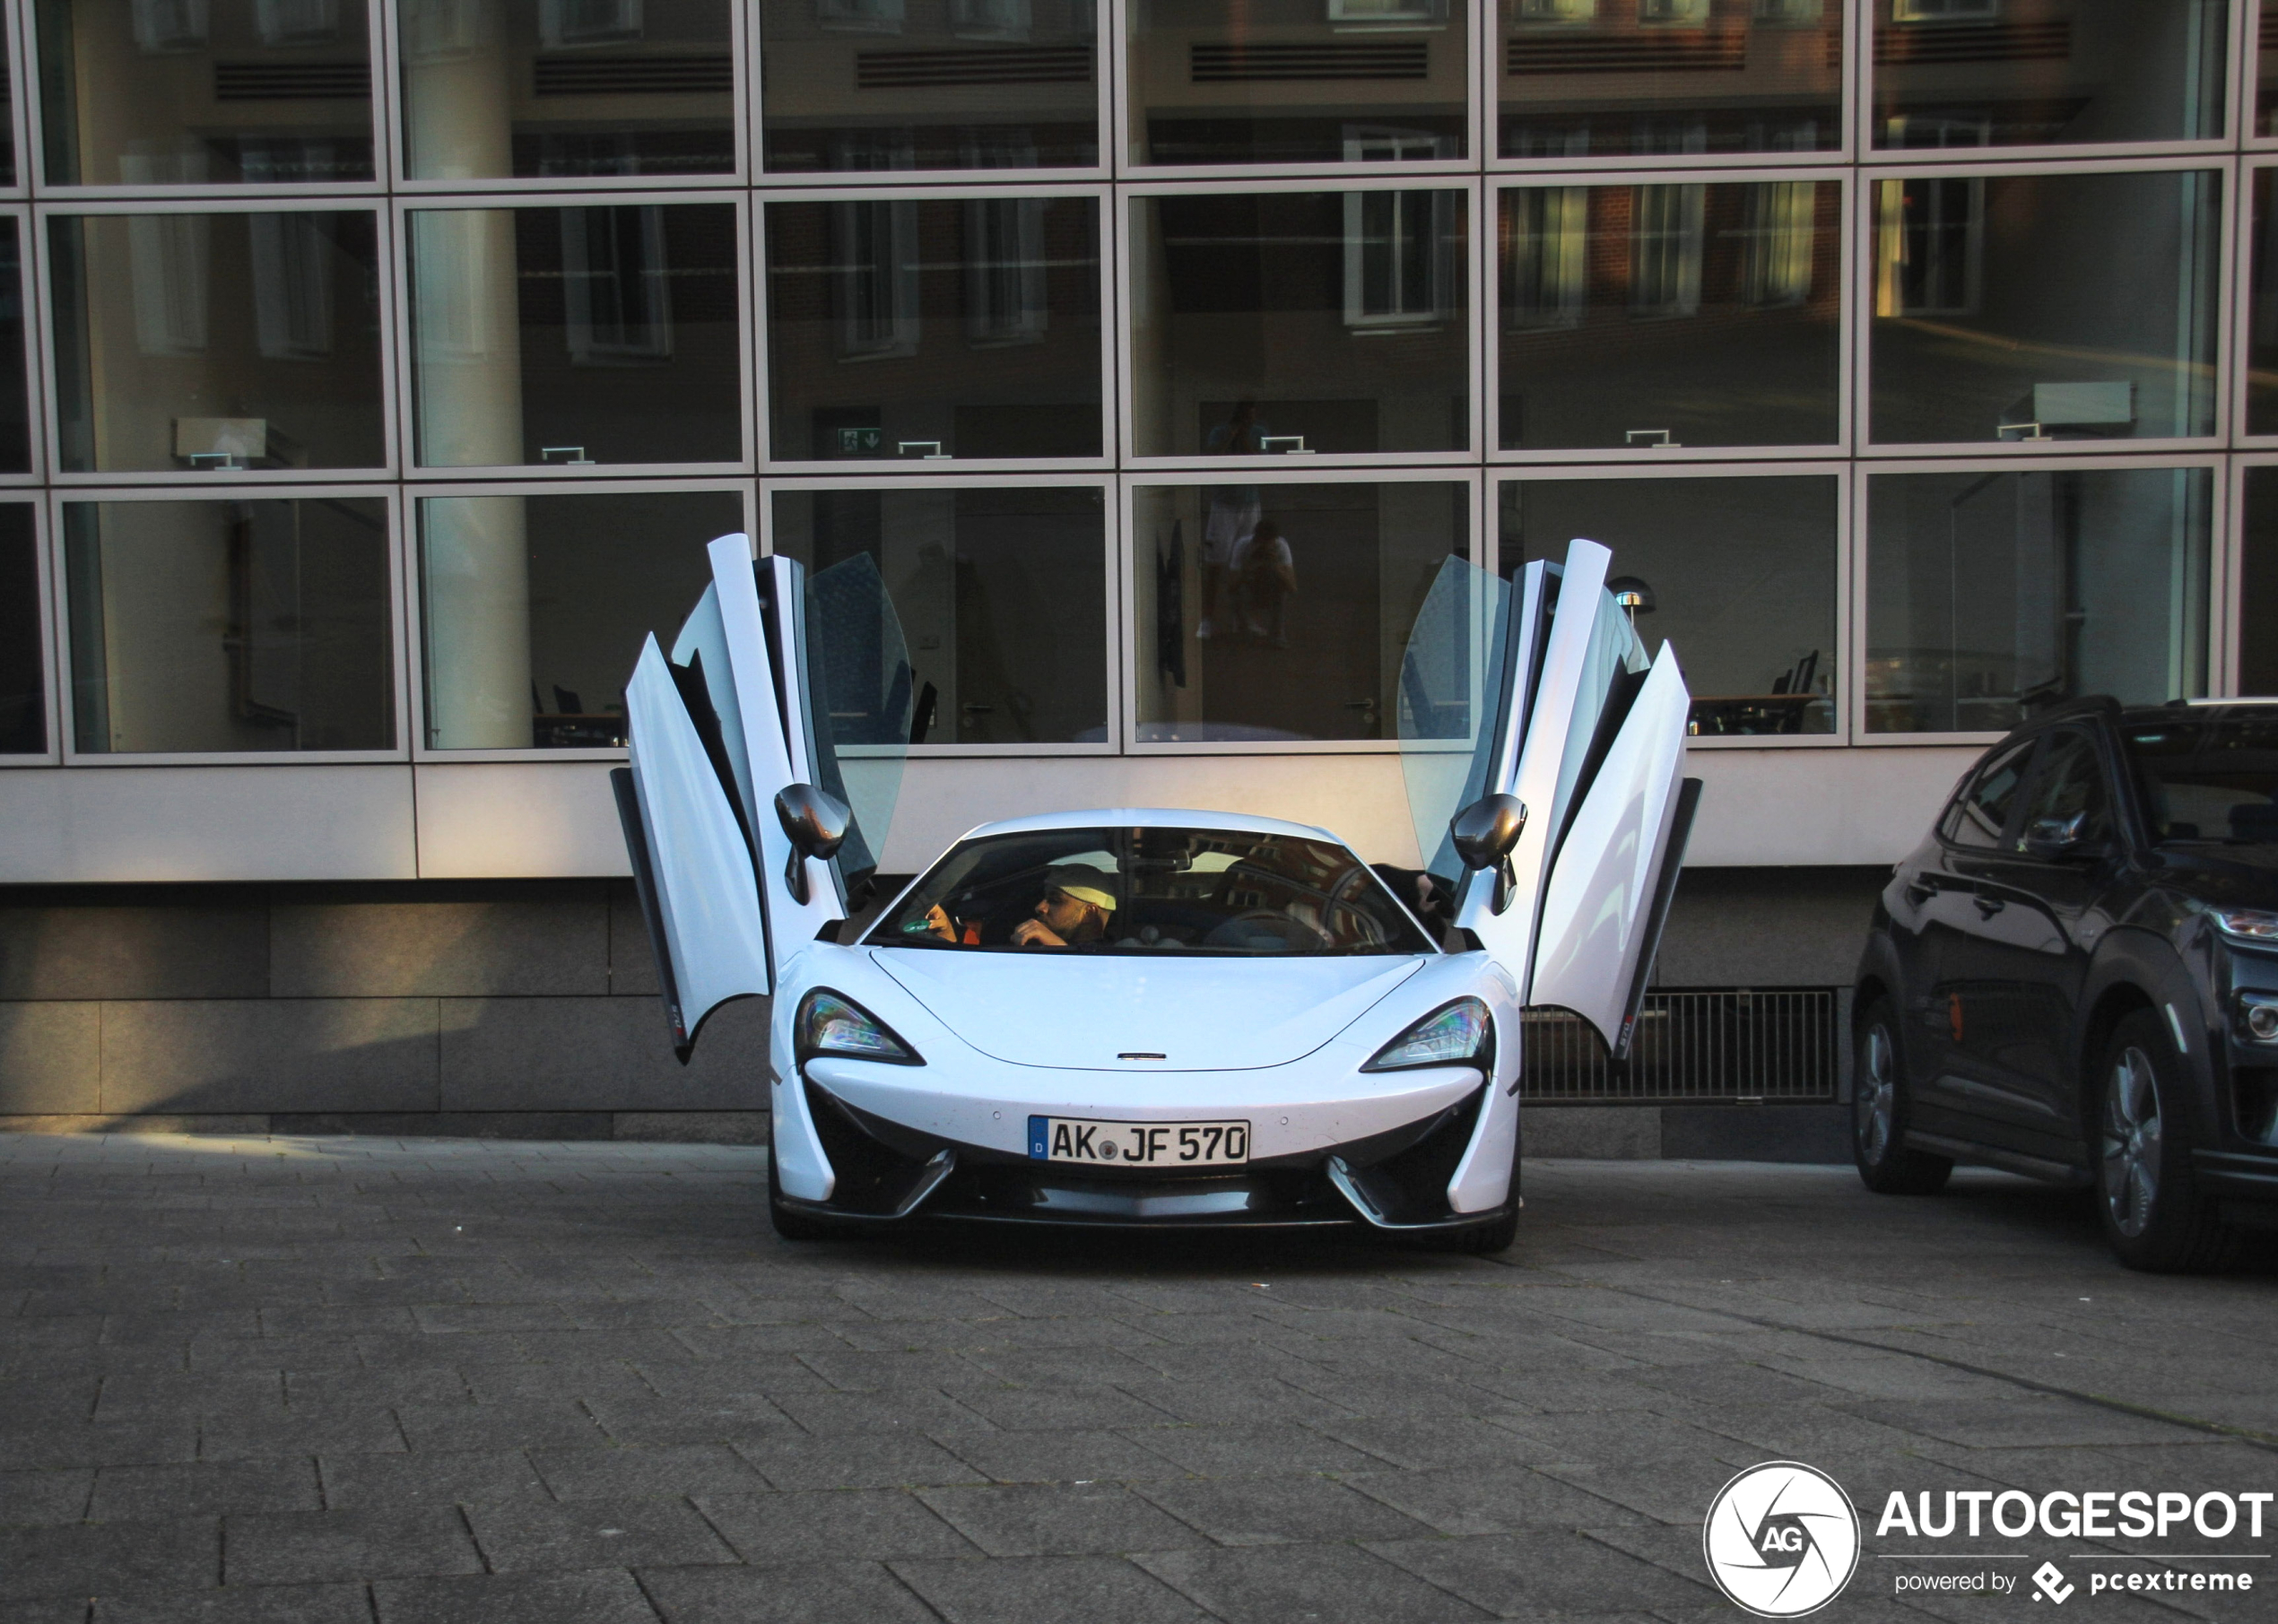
(1073, 911)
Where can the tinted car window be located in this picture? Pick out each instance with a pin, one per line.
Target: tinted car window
(1981, 811)
(2069, 786)
(1149, 890)
(2208, 778)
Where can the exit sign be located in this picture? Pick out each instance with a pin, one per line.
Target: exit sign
(853, 442)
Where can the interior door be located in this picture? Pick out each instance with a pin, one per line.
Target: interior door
(774, 679)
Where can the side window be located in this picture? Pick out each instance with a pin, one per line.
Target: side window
(1982, 812)
(2070, 785)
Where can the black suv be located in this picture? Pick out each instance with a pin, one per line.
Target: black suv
(2076, 976)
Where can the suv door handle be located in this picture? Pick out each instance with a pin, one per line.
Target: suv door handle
(1987, 907)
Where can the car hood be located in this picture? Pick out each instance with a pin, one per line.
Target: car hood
(2223, 876)
(1083, 1011)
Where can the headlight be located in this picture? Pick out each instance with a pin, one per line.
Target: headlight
(2255, 924)
(829, 1024)
(2259, 1014)
(1450, 1035)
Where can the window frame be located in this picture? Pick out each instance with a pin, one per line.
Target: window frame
(1111, 327)
(388, 492)
(48, 580)
(406, 406)
(2240, 345)
(38, 310)
(1117, 607)
(1340, 472)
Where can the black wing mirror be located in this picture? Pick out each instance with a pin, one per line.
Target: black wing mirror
(2053, 839)
(1485, 832)
(816, 821)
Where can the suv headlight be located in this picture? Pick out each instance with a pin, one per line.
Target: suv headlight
(1454, 1035)
(2258, 925)
(830, 1024)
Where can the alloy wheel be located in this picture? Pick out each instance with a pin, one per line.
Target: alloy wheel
(1875, 1095)
(2132, 1142)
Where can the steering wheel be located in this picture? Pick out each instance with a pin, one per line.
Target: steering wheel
(1293, 933)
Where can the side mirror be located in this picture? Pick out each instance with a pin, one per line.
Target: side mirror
(1485, 832)
(816, 824)
(2052, 839)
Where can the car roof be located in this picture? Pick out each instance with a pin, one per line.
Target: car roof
(1151, 817)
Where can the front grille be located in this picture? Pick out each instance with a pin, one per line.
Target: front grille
(1717, 1043)
(1265, 64)
(291, 81)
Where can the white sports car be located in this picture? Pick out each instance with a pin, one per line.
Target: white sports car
(1178, 1020)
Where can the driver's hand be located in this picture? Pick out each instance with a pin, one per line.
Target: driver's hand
(938, 920)
(1035, 932)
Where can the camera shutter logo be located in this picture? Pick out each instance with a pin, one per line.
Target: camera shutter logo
(1781, 1539)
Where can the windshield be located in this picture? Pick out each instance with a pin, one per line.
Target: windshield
(1149, 891)
(2209, 778)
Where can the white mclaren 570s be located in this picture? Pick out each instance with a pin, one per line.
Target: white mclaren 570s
(1160, 1018)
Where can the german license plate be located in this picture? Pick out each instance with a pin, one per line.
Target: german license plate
(1145, 1145)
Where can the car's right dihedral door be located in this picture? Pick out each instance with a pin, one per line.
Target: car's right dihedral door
(1539, 688)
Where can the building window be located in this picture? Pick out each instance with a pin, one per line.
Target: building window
(211, 341)
(23, 652)
(225, 626)
(1005, 301)
(1992, 591)
(617, 291)
(1545, 235)
(2261, 313)
(877, 280)
(534, 608)
(1929, 247)
(1399, 258)
(1001, 596)
(1665, 251)
(1278, 613)
(1738, 573)
(15, 405)
(2258, 582)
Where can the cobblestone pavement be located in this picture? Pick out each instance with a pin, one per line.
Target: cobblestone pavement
(316, 1380)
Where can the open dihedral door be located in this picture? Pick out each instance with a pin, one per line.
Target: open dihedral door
(776, 678)
(1539, 688)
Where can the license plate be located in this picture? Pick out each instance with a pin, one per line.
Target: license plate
(1146, 1144)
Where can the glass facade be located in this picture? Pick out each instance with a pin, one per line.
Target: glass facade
(385, 368)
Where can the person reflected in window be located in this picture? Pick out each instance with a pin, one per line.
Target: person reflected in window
(1233, 509)
(1264, 580)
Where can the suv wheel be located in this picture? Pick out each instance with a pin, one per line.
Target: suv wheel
(2151, 1208)
(1879, 1112)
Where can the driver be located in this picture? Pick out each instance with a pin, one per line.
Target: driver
(1075, 911)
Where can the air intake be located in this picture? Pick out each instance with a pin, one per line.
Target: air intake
(1007, 65)
(1265, 64)
(1718, 53)
(1975, 42)
(635, 75)
(292, 81)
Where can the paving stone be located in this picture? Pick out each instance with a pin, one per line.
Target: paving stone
(1269, 1511)
(92, 1444)
(431, 1478)
(1230, 1451)
(1269, 1583)
(310, 1547)
(677, 1469)
(312, 1429)
(1047, 1590)
(510, 1423)
(871, 1524)
(127, 1494)
(1059, 1520)
(110, 1558)
(607, 1597)
(35, 1497)
(1077, 1456)
(862, 1460)
(806, 1593)
(1542, 1574)
(345, 1603)
(625, 1532)
(658, 1422)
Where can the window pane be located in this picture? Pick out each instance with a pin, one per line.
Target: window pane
(567, 87)
(1739, 573)
(1583, 78)
(179, 92)
(1002, 595)
(2261, 315)
(2004, 72)
(1688, 314)
(1989, 593)
(1301, 321)
(1335, 81)
(534, 608)
(212, 342)
(975, 323)
(23, 658)
(599, 334)
(230, 625)
(2051, 307)
(15, 400)
(2258, 585)
(942, 84)
(1281, 611)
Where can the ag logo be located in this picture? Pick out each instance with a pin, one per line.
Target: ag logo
(1781, 1539)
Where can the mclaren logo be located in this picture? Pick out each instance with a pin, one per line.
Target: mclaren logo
(1781, 1539)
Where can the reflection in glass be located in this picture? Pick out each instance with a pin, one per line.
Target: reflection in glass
(939, 85)
(1739, 573)
(1977, 73)
(593, 333)
(1287, 82)
(2259, 584)
(15, 404)
(210, 343)
(1990, 593)
(533, 607)
(191, 92)
(253, 625)
(1332, 322)
(1686, 314)
(1606, 78)
(1281, 611)
(2261, 313)
(2044, 307)
(23, 658)
(905, 327)
(1001, 593)
(548, 88)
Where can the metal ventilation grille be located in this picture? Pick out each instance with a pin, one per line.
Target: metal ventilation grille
(1724, 53)
(1355, 59)
(292, 81)
(1711, 1043)
(712, 76)
(1005, 65)
(1975, 42)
